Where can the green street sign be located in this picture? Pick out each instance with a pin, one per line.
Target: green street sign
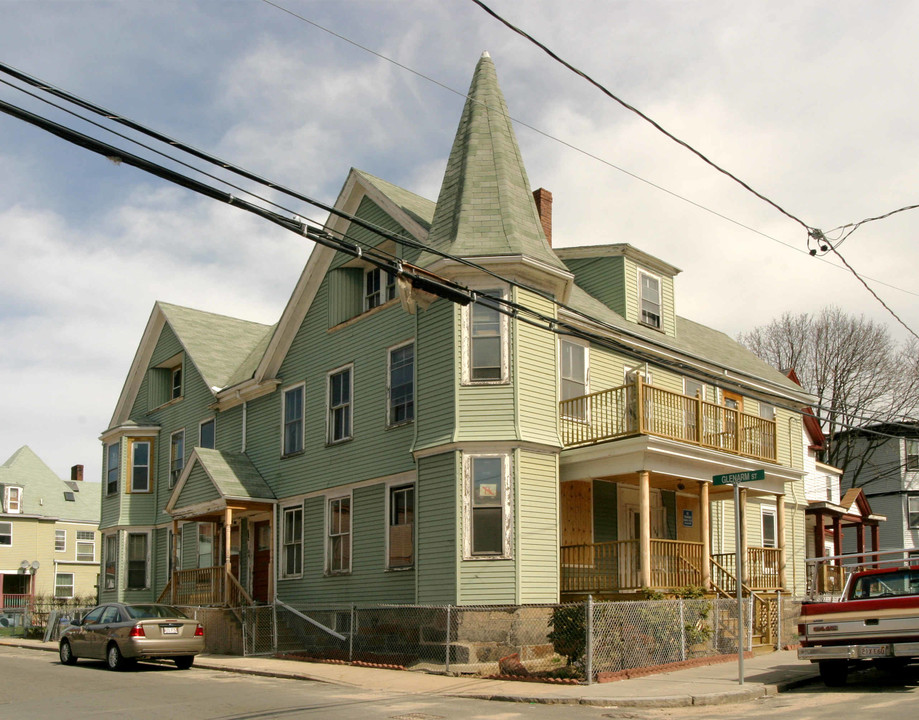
(738, 477)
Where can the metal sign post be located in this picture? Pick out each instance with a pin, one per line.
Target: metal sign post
(735, 479)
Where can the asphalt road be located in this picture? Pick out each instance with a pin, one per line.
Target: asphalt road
(35, 685)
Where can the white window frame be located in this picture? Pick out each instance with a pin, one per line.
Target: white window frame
(769, 512)
(8, 533)
(912, 511)
(641, 300)
(285, 451)
(506, 504)
(176, 464)
(12, 500)
(766, 411)
(60, 540)
(112, 450)
(85, 537)
(701, 385)
(127, 559)
(210, 532)
(110, 557)
(210, 421)
(175, 383)
(331, 412)
(583, 413)
(389, 385)
(149, 486)
(503, 342)
(908, 464)
(382, 292)
(292, 544)
(330, 535)
(58, 585)
(391, 490)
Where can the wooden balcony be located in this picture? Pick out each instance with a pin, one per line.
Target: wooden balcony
(210, 586)
(641, 409)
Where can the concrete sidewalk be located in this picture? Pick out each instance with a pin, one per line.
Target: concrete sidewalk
(705, 685)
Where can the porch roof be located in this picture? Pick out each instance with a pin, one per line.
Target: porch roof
(213, 478)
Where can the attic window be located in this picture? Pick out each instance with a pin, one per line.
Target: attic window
(379, 287)
(12, 501)
(69, 497)
(649, 290)
(166, 382)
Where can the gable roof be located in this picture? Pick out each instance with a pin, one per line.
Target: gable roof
(43, 492)
(233, 476)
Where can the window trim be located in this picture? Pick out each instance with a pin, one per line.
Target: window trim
(91, 541)
(330, 423)
(285, 545)
(8, 533)
(911, 465)
(767, 511)
(391, 490)
(60, 534)
(108, 467)
(912, 499)
(127, 559)
(110, 546)
(176, 389)
(503, 342)
(176, 472)
(150, 447)
(641, 300)
(285, 452)
(330, 500)
(384, 291)
(10, 506)
(389, 386)
(585, 346)
(507, 506)
(71, 585)
(212, 421)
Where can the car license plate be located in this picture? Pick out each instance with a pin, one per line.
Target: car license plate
(874, 650)
(170, 630)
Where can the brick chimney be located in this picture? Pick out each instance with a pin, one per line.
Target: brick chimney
(76, 473)
(543, 200)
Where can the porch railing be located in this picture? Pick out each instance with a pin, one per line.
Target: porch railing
(10, 601)
(762, 569)
(616, 566)
(205, 586)
(641, 409)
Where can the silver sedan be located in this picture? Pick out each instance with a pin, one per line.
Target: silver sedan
(121, 634)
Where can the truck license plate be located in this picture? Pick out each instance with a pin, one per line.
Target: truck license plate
(170, 630)
(873, 650)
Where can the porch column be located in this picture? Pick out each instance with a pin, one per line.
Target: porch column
(837, 538)
(780, 531)
(860, 541)
(705, 520)
(227, 531)
(644, 522)
(819, 535)
(174, 553)
(875, 540)
(742, 550)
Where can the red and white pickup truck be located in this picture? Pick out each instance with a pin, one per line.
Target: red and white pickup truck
(877, 619)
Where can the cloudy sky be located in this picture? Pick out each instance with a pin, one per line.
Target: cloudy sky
(811, 103)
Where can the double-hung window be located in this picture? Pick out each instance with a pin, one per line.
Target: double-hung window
(769, 525)
(488, 508)
(339, 538)
(86, 546)
(141, 465)
(292, 541)
(912, 509)
(176, 456)
(138, 561)
(175, 389)
(340, 405)
(293, 420)
(401, 526)
(401, 384)
(912, 454)
(12, 503)
(111, 561)
(379, 287)
(649, 289)
(6, 534)
(207, 434)
(573, 372)
(112, 467)
(63, 585)
(487, 354)
(60, 540)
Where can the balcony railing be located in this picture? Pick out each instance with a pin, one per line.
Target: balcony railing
(641, 409)
(615, 566)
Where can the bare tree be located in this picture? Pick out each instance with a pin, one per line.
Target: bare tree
(859, 373)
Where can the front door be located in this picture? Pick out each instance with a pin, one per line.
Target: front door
(261, 561)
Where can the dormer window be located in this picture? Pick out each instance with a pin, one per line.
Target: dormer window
(166, 382)
(379, 287)
(12, 501)
(649, 300)
(176, 391)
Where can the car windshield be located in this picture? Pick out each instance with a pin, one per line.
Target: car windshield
(905, 582)
(153, 611)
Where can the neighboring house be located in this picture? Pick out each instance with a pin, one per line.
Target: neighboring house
(366, 450)
(889, 479)
(49, 536)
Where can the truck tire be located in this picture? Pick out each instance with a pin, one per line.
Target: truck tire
(834, 673)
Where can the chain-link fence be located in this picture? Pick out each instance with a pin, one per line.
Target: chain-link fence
(562, 641)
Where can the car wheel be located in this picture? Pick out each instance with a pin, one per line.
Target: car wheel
(184, 662)
(834, 673)
(114, 659)
(66, 653)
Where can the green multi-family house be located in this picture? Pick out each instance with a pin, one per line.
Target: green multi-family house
(381, 444)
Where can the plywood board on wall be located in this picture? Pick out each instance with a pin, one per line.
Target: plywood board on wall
(577, 498)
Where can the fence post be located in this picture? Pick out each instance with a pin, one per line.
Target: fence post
(447, 643)
(589, 629)
(748, 640)
(778, 620)
(682, 631)
(351, 635)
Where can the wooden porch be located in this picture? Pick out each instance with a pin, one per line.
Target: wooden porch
(210, 587)
(641, 409)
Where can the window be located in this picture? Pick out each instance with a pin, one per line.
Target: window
(487, 338)
(649, 289)
(6, 534)
(693, 388)
(176, 456)
(293, 420)
(769, 527)
(375, 293)
(401, 526)
(207, 434)
(340, 535)
(573, 373)
(489, 506)
(293, 542)
(111, 561)
(113, 454)
(401, 384)
(86, 546)
(140, 466)
(175, 390)
(912, 508)
(340, 405)
(63, 585)
(766, 411)
(205, 545)
(13, 500)
(912, 454)
(60, 540)
(137, 561)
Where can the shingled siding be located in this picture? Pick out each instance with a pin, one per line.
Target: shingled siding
(436, 500)
(537, 376)
(537, 527)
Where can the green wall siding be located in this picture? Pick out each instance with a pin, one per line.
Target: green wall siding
(537, 376)
(537, 527)
(438, 531)
(197, 489)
